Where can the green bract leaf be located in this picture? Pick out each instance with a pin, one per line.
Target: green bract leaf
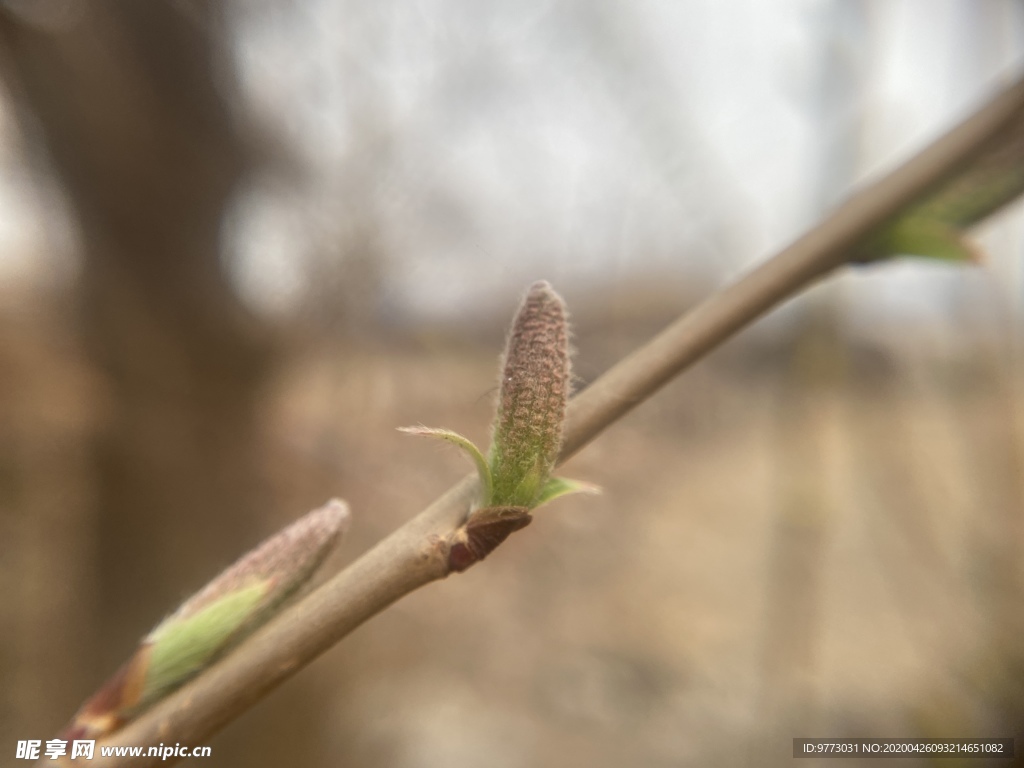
(563, 486)
(929, 238)
(934, 226)
(181, 647)
(482, 468)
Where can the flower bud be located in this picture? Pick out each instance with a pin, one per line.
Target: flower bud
(243, 597)
(533, 396)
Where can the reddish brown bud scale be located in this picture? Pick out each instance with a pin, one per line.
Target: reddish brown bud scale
(103, 712)
(482, 533)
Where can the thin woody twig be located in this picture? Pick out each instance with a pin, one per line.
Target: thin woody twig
(409, 559)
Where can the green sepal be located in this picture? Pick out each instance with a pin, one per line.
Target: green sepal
(563, 486)
(180, 647)
(467, 445)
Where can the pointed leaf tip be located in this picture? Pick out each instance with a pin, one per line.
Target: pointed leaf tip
(557, 487)
(482, 467)
(923, 238)
(335, 517)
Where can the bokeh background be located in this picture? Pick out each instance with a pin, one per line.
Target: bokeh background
(241, 242)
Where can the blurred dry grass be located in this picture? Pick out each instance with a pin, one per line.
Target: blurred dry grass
(807, 538)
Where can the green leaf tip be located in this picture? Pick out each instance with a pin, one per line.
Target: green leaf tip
(934, 225)
(213, 620)
(924, 238)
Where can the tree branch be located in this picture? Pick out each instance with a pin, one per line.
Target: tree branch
(409, 558)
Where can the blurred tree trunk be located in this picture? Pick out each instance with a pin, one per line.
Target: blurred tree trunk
(131, 102)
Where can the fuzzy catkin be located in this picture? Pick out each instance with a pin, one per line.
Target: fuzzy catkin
(533, 397)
